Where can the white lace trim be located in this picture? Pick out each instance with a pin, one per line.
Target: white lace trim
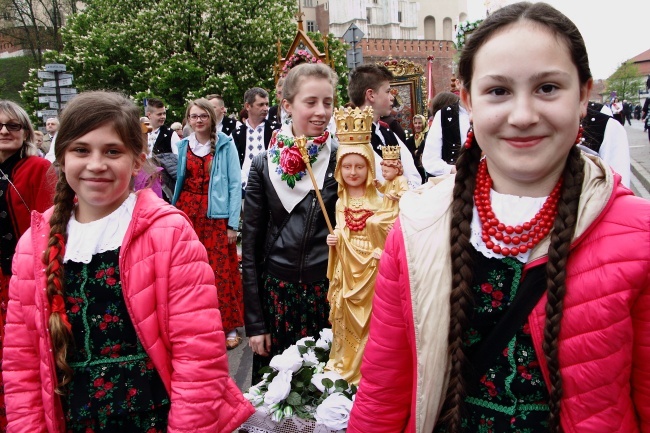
(105, 234)
(511, 210)
(261, 422)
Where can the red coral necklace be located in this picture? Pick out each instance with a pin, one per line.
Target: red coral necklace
(355, 215)
(526, 235)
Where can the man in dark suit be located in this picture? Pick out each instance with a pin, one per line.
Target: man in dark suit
(51, 126)
(253, 136)
(627, 112)
(225, 124)
(161, 139)
(162, 144)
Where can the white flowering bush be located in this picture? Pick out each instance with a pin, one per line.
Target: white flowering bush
(178, 51)
(173, 50)
(296, 384)
(463, 30)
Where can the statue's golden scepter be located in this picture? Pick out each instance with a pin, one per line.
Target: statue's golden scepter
(301, 142)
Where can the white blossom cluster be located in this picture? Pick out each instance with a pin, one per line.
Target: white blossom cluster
(297, 384)
(173, 49)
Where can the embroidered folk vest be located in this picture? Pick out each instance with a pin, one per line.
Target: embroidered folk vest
(594, 125)
(451, 142)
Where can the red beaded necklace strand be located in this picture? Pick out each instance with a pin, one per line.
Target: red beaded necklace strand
(526, 235)
(355, 219)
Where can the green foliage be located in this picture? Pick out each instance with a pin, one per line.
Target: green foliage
(338, 50)
(177, 49)
(625, 81)
(13, 73)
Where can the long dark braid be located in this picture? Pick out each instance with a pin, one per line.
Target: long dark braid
(213, 141)
(53, 260)
(462, 276)
(558, 253)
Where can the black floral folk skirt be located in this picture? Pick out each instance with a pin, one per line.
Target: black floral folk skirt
(292, 311)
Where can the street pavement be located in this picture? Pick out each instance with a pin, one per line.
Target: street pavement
(240, 363)
(639, 158)
(240, 359)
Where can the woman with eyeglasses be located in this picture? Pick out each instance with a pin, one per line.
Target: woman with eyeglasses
(208, 190)
(24, 186)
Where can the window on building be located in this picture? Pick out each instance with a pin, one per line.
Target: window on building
(368, 10)
(447, 29)
(430, 28)
(308, 3)
(311, 26)
(399, 17)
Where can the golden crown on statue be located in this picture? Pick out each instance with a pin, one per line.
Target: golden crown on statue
(353, 125)
(390, 152)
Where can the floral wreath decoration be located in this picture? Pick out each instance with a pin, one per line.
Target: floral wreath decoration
(284, 152)
(301, 56)
(464, 28)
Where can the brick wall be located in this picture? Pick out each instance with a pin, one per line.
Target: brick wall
(416, 51)
(9, 45)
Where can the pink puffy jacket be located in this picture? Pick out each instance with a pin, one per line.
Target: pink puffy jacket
(604, 343)
(169, 291)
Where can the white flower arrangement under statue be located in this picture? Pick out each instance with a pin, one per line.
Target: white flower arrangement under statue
(297, 394)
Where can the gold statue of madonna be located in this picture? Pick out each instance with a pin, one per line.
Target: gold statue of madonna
(352, 267)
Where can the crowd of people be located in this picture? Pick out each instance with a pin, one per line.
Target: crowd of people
(490, 268)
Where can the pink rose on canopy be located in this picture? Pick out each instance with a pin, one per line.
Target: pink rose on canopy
(291, 160)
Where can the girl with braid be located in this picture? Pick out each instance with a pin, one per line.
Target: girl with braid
(113, 321)
(514, 296)
(208, 190)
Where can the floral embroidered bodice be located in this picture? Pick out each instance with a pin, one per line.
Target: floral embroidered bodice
(511, 396)
(112, 372)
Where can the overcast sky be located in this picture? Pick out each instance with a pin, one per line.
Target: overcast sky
(614, 31)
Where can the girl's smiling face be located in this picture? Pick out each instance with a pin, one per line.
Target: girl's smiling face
(526, 102)
(312, 106)
(99, 167)
(200, 121)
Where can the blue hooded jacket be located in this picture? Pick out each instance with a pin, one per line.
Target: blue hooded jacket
(224, 191)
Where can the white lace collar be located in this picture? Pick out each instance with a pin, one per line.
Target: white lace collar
(105, 234)
(511, 210)
(199, 149)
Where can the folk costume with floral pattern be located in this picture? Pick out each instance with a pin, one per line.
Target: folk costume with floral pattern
(288, 171)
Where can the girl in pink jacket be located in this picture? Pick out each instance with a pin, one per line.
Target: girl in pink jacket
(514, 296)
(113, 321)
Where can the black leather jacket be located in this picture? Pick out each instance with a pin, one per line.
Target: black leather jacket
(289, 246)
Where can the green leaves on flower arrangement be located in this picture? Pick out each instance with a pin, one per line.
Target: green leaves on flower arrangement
(296, 384)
